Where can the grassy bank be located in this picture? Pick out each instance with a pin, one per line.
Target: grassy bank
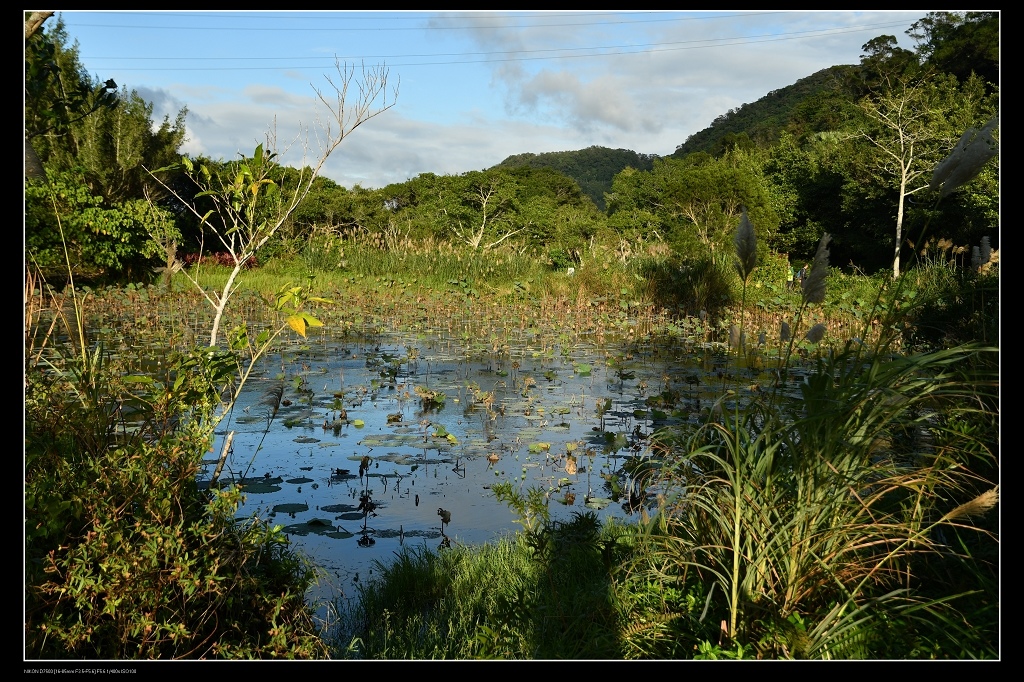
(857, 522)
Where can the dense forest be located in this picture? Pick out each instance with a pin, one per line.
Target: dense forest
(835, 151)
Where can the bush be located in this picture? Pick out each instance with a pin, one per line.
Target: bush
(125, 556)
(953, 306)
(711, 284)
(561, 260)
(111, 241)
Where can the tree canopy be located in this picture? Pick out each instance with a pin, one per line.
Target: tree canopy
(847, 150)
(93, 143)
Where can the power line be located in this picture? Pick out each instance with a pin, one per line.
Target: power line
(428, 27)
(598, 51)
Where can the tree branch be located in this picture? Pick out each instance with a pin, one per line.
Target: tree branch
(35, 21)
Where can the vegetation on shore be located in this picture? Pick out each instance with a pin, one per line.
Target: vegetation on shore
(851, 514)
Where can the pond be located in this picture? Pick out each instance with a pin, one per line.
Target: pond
(359, 445)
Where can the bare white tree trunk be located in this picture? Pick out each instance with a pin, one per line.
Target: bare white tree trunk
(248, 218)
(903, 114)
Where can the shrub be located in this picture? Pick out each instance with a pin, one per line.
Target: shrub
(113, 241)
(710, 282)
(853, 523)
(126, 557)
(952, 306)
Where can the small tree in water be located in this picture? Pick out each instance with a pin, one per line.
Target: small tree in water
(249, 207)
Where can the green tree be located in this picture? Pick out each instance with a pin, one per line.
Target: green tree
(960, 43)
(113, 147)
(809, 181)
(480, 209)
(883, 61)
(912, 124)
(483, 209)
(58, 91)
(85, 132)
(694, 204)
(632, 204)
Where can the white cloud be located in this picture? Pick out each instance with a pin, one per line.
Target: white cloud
(494, 97)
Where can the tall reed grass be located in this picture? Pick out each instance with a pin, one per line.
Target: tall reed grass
(854, 523)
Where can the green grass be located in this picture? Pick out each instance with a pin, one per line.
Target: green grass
(855, 522)
(436, 267)
(852, 523)
(531, 596)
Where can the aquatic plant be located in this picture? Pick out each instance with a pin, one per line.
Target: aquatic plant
(811, 519)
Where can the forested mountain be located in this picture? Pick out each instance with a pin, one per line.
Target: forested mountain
(592, 168)
(957, 44)
(760, 123)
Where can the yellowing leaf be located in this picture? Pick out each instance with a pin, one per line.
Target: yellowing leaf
(297, 323)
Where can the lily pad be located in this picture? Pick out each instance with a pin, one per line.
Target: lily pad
(392, 440)
(598, 502)
(291, 508)
(399, 458)
(338, 508)
(317, 527)
(307, 439)
(299, 481)
(261, 488)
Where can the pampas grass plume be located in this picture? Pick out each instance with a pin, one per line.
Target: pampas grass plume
(979, 505)
(972, 152)
(816, 333)
(814, 283)
(746, 248)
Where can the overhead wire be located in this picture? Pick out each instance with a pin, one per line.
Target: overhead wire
(497, 56)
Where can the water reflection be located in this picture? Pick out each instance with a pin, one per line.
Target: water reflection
(351, 434)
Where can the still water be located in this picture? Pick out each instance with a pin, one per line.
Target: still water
(375, 441)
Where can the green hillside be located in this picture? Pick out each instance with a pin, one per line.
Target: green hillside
(592, 168)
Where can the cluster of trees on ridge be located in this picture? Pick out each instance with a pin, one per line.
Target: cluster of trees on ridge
(592, 168)
(848, 150)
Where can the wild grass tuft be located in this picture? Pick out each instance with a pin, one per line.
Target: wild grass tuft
(509, 599)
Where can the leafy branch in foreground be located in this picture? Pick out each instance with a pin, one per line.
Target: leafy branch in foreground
(248, 205)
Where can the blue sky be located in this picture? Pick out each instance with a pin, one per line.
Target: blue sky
(472, 87)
